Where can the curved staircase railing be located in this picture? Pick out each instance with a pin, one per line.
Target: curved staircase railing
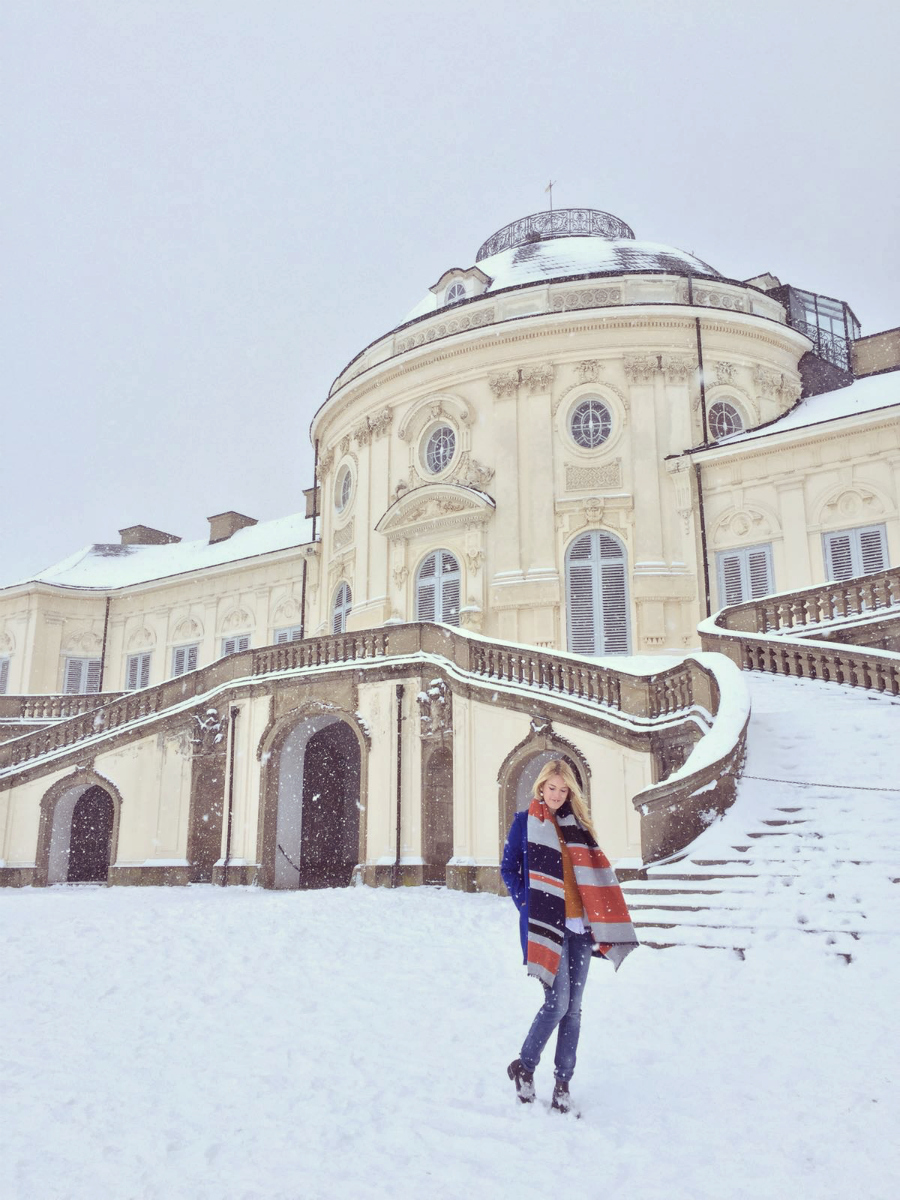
(810, 633)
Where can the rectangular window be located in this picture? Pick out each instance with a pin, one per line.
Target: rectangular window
(851, 552)
(82, 675)
(4, 675)
(137, 672)
(293, 633)
(233, 644)
(744, 574)
(184, 658)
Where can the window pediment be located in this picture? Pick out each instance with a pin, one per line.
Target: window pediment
(435, 506)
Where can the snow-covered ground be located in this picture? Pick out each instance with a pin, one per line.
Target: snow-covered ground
(352, 1045)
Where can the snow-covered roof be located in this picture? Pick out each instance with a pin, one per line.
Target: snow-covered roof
(108, 567)
(560, 257)
(863, 395)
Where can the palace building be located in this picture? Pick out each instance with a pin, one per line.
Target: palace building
(565, 459)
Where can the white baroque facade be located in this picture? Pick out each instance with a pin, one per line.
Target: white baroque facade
(569, 453)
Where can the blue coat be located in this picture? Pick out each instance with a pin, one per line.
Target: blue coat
(514, 869)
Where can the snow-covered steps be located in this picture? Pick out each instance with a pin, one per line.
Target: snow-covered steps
(811, 847)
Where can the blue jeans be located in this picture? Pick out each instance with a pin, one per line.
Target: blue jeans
(562, 1007)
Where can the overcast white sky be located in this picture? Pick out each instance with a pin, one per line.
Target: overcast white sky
(210, 207)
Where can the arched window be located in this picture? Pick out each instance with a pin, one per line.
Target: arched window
(437, 589)
(440, 448)
(343, 603)
(591, 423)
(455, 293)
(597, 594)
(724, 420)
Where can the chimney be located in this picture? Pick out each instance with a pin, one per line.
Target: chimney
(143, 535)
(223, 525)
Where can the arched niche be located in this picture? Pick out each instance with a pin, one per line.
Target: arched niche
(523, 764)
(58, 810)
(313, 785)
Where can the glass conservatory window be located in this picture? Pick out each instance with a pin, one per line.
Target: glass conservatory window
(440, 449)
(724, 420)
(591, 423)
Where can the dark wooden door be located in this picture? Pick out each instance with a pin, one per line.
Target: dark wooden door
(92, 823)
(330, 817)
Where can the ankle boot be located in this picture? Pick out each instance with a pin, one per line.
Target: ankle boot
(524, 1081)
(562, 1101)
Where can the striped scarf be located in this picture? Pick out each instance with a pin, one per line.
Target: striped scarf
(604, 904)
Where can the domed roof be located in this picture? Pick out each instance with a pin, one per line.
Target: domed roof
(567, 242)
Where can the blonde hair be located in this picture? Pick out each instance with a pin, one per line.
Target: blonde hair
(559, 766)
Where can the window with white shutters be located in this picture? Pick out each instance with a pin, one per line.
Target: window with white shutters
(184, 659)
(4, 676)
(437, 589)
(293, 633)
(852, 552)
(137, 672)
(343, 605)
(744, 574)
(597, 595)
(232, 645)
(81, 676)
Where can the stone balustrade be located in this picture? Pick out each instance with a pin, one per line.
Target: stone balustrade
(809, 633)
(649, 708)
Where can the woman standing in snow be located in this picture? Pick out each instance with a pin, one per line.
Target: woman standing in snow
(570, 908)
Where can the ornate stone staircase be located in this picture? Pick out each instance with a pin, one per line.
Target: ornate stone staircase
(811, 846)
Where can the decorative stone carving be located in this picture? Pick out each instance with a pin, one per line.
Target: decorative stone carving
(142, 639)
(188, 630)
(345, 443)
(85, 642)
(850, 504)
(471, 616)
(208, 732)
(584, 298)
(401, 488)
(435, 506)
(725, 372)
(475, 474)
(717, 299)
(380, 423)
(504, 383)
(326, 462)
(475, 558)
(238, 618)
(767, 382)
(680, 474)
(593, 510)
(609, 475)
(678, 367)
(436, 710)
(343, 537)
(589, 370)
(538, 378)
(361, 432)
(6, 644)
(473, 318)
(541, 725)
(640, 368)
(288, 611)
(401, 574)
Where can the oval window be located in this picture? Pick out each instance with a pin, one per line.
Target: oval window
(440, 449)
(591, 423)
(343, 488)
(724, 420)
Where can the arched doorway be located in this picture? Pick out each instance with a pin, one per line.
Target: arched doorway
(522, 768)
(597, 595)
(90, 837)
(317, 826)
(437, 815)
